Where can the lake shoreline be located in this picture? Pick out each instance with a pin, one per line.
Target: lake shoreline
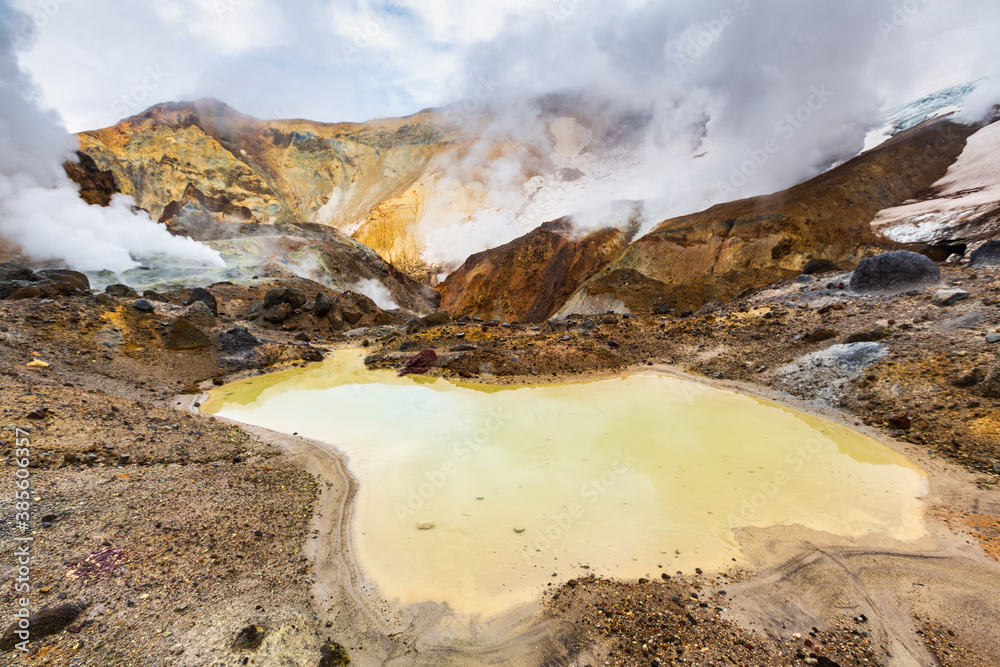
(769, 551)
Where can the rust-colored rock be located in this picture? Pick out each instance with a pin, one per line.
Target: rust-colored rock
(420, 363)
(97, 186)
(185, 336)
(528, 279)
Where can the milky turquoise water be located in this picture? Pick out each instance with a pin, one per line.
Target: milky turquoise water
(477, 495)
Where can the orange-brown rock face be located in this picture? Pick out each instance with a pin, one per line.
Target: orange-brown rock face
(96, 187)
(528, 279)
(689, 261)
(202, 162)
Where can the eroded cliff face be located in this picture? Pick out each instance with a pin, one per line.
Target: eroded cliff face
(424, 192)
(713, 255)
(528, 279)
(200, 163)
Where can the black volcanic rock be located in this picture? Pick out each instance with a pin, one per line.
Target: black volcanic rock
(815, 267)
(121, 291)
(45, 622)
(74, 278)
(46, 289)
(987, 254)
(284, 295)
(321, 305)
(206, 297)
(8, 287)
(238, 339)
(277, 314)
(895, 271)
(13, 271)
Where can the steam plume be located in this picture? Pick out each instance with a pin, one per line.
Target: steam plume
(40, 208)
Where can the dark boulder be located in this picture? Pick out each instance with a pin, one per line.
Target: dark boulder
(120, 290)
(336, 321)
(8, 287)
(278, 313)
(814, 267)
(820, 335)
(332, 654)
(143, 306)
(895, 271)
(901, 421)
(284, 295)
(352, 317)
(987, 254)
(46, 289)
(967, 379)
(238, 349)
(664, 309)
(436, 319)
(150, 295)
(321, 305)
(185, 336)
(78, 280)
(204, 296)
(238, 339)
(872, 334)
(14, 271)
(310, 353)
(43, 623)
(364, 303)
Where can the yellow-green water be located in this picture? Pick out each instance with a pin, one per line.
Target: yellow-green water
(524, 486)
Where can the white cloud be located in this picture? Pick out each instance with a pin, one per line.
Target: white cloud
(360, 59)
(714, 81)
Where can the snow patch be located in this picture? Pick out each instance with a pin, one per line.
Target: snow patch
(968, 192)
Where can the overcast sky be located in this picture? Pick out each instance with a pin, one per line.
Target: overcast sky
(97, 61)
